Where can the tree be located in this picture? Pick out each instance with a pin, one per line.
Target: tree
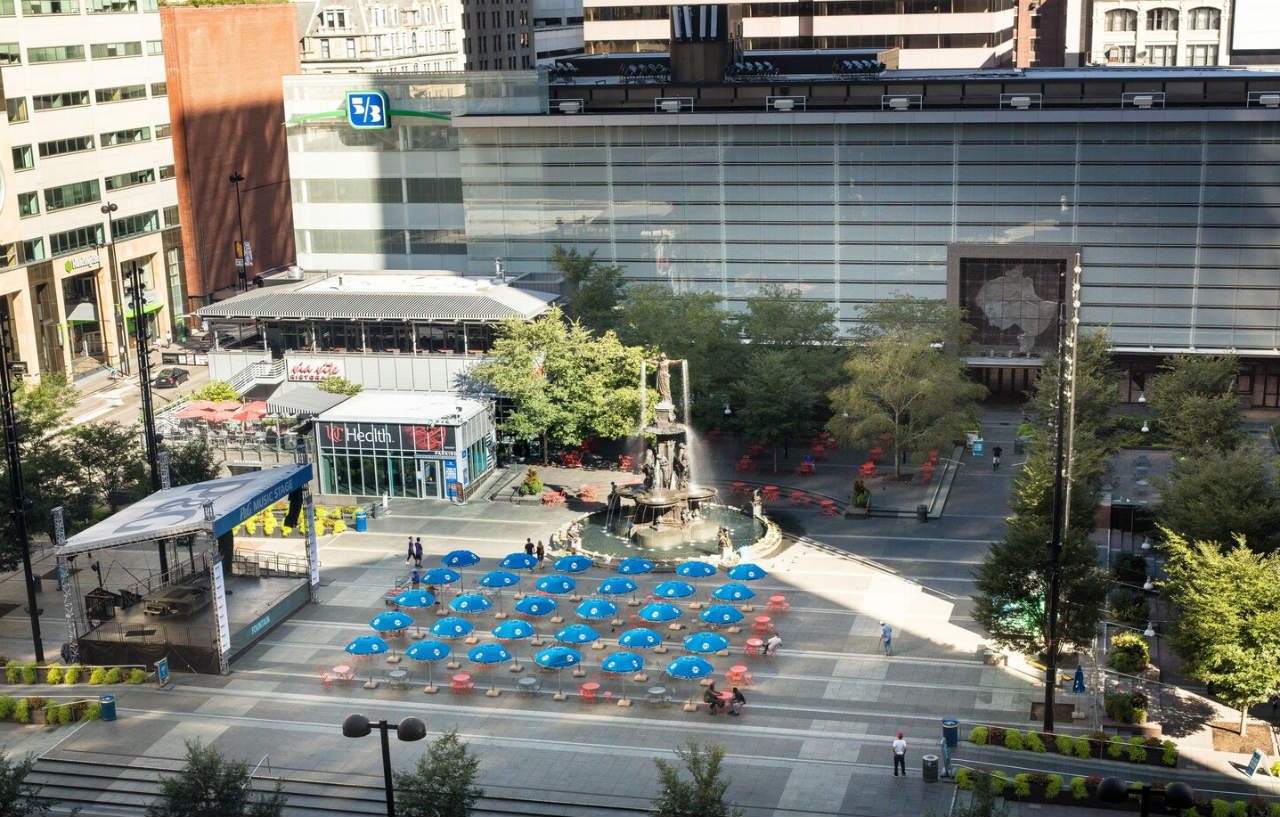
(776, 400)
(1194, 397)
(592, 288)
(192, 462)
(339, 385)
(779, 320)
(1013, 581)
(211, 786)
(442, 782)
(19, 798)
(112, 466)
(901, 389)
(906, 316)
(1095, 389)
(700, 796)
(217, 391)
(1227, 627)
(1215, 496)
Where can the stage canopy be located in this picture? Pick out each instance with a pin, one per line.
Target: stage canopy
(180, 511)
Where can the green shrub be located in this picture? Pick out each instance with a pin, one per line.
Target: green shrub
(1219, 808)
(1115, 747)
(51, 713)
(13, 672)
(1084, 750)
(1239, 809)
(1119, 707)
(72, 675)
(98, 676)
(1034, 743)
(22, 711)
(1130, 568)
(55, 675)
(1128, 653)
(978, 735)
(1078, 789)
(1022, 785)
(113, 676)
(65, 714)
(998, 781)
(6, 706)
(1052, 786)
(1013, 739)
(92, 712)
(964, 779)
(29, 673)
(136, 676)
(1170, 755)
(1273, 810)
(1137, 750)
(1062, 744)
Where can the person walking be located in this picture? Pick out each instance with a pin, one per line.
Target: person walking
(409, 556)
(886, 637)
(528, 545)
(417, 552)
(771, 646)
(900, 756)
(995, 458)
(541, 553)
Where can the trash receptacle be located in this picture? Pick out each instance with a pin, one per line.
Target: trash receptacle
(951, 731)
(377, 509)
(929, 768)
(36, 585)
(922, 513)
(362, 521)
(107, 703)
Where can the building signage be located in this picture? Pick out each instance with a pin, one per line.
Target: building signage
(388, 436)
(162, 673)
(75, 262)
(367, 110)
(244, 254)
(313, 370)
(220, 609)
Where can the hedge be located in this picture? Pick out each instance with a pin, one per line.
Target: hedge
(1097, 745)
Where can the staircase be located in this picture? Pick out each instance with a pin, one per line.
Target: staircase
(258, 373)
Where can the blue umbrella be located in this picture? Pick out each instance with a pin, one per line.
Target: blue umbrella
(690, 667)
(747, 572)
(733, 591)
(706, 642)
(367, 645)
(514, 629)
(470, 603)
(415, 598)
(440, 575)
(573, 564)
(489, 654)
(597, 608)
(557, 658)
(535, 606)
(696, 570)
(659, 611)
(555, 584)
(519, 561)
(634, 566)
(622, 663)
(429, 651)
(674, 589)
(459, 558)
(391, 620)
(640, 637)
(577, 634)
(617, 586)
(452, 627)
(499, 579)
(721, 614)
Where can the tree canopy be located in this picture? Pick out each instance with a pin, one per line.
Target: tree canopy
(703, 794)
(592, 288)
(442, 783)
(1194, 398)
(19, 798)
(209, 785)
(217, 391)
(335, 384)
(1215, 496)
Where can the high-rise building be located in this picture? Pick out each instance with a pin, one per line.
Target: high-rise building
(929, 33)
(1255, 32)
(557, 29)
(1040, 34)
(1159, 32)
(89, 173)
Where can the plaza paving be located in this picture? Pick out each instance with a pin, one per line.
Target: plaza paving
(813, 741)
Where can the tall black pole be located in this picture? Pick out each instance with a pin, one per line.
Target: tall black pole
(1059, 512)
(144, 389)
(242, 274)
(117, 287)
(17, 494)
(386, 768)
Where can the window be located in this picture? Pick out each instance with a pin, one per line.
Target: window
(16, 109)
(324, 48)
(135, 225)
(73, 144)
(1162, 55)
(55, 53)
(137, 177)
(159, 89)
(363, 191)
(162, 131)
(124, 137)
(333, 18)
(10, 54)
(110, 51)
(357, 241)
(171, 216)
(120, 93)
(112, 6)
(23, 158)
(1204, 19)
(6, 8)
(35, 8)
(65, 99)
(1202, 54)
(81, 238)
(71, 195)
(28, 204)
(155, 48)
(351, 48)
(166, 172)
(444, 242)
(1162, 20)
(33, 250)
(1125, 54)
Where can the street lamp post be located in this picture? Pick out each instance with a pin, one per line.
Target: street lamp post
(1177, 795)
(242, 272)
(117, 287)
(409, 729)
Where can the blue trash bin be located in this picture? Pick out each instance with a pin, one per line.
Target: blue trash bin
(951, 731)
(362, 521)
(108, 705)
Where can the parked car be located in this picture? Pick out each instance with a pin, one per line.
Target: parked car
(169, 378)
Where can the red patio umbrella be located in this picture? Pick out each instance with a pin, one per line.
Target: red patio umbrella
(251, 411)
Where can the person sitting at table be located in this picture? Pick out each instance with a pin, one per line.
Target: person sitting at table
(737, 701)
(712, 697)
(415, 579)
(771, 646)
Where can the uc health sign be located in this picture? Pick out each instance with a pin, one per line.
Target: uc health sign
(367, 110)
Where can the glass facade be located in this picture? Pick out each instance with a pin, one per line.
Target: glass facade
(401, 460)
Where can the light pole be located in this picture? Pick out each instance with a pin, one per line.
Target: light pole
(409, 729)
(117, 287)
(1177, 795)
(242, 271)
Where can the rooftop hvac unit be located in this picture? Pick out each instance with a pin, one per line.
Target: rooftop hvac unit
(571, 106)
(670, 105)
(784, 104)
(1020, 102)
(899, 103)
(1269, 100)
(1143, 101)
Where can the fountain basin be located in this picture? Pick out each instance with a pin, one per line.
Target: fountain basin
(671, 545)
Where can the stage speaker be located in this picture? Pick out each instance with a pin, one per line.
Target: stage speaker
(295, 509)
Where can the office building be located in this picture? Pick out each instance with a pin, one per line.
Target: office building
(1255, 32)
(346, 36)
(557, 29)
(87, 127)
(1040, 34)
(1160, 32)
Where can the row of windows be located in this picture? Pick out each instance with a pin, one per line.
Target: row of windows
(862, 7)
(378, 191)
(384, 242)
(1165, 19)
(71, 195)
(93, 235)
(75, 53)
(16, 107)
(24, 156)
(37, 8)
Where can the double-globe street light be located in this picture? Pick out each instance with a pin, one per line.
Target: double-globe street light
(1177, 795)
(117, 286)
(409, 729)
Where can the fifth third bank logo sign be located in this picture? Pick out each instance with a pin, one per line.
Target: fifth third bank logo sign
(367, 109)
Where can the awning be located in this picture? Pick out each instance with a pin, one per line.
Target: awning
(84, 312)
(151, 302)
(293, 400)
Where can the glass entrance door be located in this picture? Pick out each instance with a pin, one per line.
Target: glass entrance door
(428, 479)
